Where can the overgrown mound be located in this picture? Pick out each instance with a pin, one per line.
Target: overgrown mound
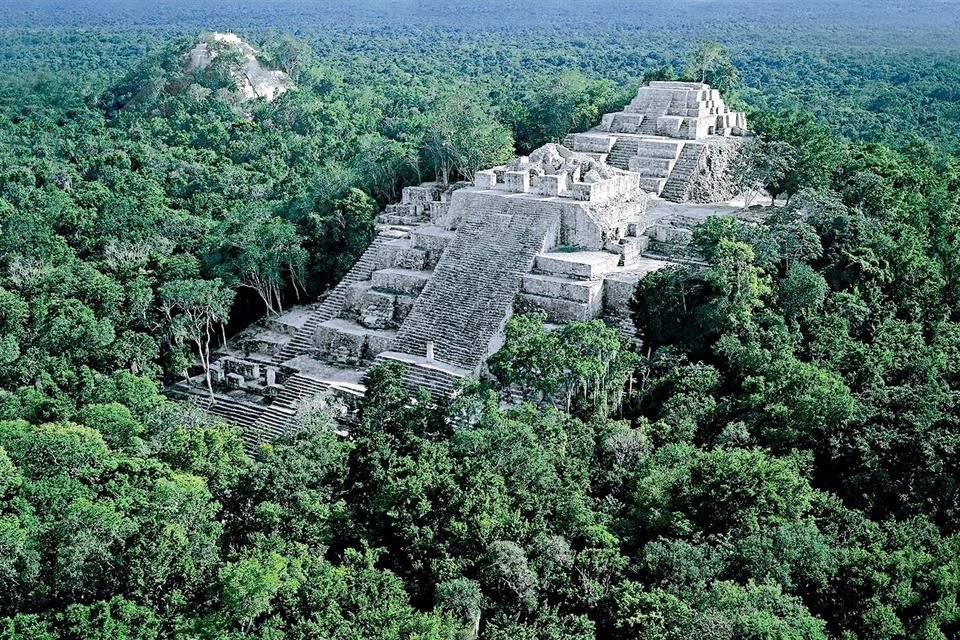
(220, 63)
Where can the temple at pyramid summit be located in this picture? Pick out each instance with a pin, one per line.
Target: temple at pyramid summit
(670, 134)
(567, 231)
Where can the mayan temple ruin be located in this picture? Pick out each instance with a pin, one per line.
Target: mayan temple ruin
(568, 231)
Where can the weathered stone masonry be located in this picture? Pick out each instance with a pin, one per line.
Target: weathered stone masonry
(568, 231)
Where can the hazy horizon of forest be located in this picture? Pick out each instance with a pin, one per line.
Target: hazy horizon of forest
(871, 70)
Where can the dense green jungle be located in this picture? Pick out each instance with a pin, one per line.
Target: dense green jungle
(780, 459)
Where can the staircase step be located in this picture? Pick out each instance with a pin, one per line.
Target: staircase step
(667, 149)
(653, 167)
(653, 185)
(408, 281)
(558, 287)
(559, 310)
(585, 265)
(302, 341)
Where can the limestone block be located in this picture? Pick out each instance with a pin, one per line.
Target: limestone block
(271, 391)
(420, 195)
(549, 185)
(432, 239)
(399, 280)
(402, 307)
(410, 258)
(632, 250)
(441, 216)
(235, 381)
(557, 309)
(585, 265)
(517, 181)
(555, 287)
(669, 126)
(617, 292)
(650, 166)
(579, 227)
(669, 234)
(376, 344)
(229, 364)
(249, 370)
(659, 149)
(586, 143)
(582, 191)
(376, 310)
(340, 346)
(625, 122)
(353, 295)
(400, 254)
(485, 179)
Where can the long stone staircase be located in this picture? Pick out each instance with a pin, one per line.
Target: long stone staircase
(303, 340)
(229, 408)
(623, 149)
(374, 309)
(475, 282)
(439, 379)
(240, 413)
(276, 419)
(676, 186)
(649, 126)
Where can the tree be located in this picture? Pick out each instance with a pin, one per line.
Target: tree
(759, 166)
(251, 584)
(665, 73)
(115, 423)
(195, 309)
(114, 619)
(267, 253)
(461, 135)
(667, 306)
(462, 599)
(738, 285)
(289, 54)
(813, 152)
(710, 63)
(529, 356)
(586, 364)
(508, 572)
(704, 57)
(560, 105)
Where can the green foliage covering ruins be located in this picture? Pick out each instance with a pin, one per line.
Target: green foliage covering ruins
(779, 460)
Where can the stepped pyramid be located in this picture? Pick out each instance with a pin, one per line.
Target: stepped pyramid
(565, 231)
(664, 134)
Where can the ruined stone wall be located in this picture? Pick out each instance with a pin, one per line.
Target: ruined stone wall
(702, 174)
(710, 181)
